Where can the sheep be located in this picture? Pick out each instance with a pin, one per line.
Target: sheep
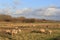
(13, 31)
(16, 30)
(46, 31)
(19, 30)
(8, 32)
(50, 31)
(42, 31)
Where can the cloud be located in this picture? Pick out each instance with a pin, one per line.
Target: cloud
(47, 11)
(25, 10)
(10, 11)
(7, 11)
(44, 13)
(50, 11)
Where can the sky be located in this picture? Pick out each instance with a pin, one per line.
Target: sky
(48, 9)
(28, 3)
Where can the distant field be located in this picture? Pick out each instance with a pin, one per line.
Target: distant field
(27, 24)
(27, 28)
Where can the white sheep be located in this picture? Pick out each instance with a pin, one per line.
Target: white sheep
(46, 31)
(19, 30)
(42, 30)
(50, 32)
(13, 31)
(8, 31)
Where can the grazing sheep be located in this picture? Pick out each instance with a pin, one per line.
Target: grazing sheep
(19, 30)
(42, 30)
(46, 31)
(13, 31)
(8, 32)
(50, 32)
(16, 30)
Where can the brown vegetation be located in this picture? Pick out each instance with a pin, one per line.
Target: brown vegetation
(8, 18)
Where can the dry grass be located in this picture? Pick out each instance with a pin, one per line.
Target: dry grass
(26, 31)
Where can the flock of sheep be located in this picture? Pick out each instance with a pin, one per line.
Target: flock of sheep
(18, 30)
(10, 31)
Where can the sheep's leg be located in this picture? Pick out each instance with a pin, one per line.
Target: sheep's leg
(50, 33)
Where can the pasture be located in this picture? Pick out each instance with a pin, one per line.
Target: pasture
(29, 31)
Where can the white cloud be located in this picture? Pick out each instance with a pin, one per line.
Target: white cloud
(18, 11)
(50, 11)
(47, 13)
(25, 10)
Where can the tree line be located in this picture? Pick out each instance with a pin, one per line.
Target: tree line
(8, 18)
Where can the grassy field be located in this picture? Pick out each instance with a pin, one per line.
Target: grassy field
(26, 33)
